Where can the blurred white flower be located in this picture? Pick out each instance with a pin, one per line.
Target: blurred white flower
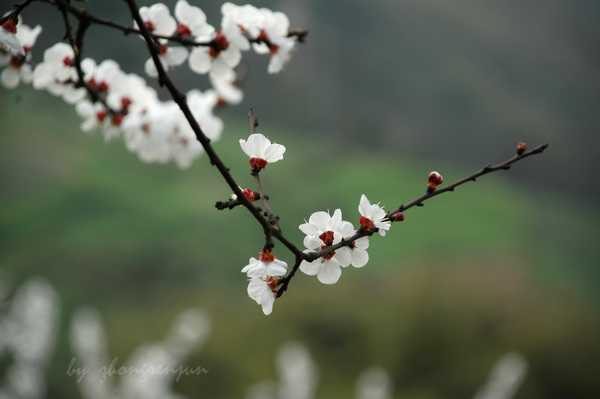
(192, 22)
(18, 64)
(505, 378)
(8, 37)
(374, 383)
(57, 73)
(158, 20)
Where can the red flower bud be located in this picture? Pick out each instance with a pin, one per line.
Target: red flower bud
(435, 178)
(397, 217)
(521, 148)
(249, 194)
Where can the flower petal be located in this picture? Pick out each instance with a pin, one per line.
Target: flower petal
(274, 153)
(360, 257)
(311, 268)
(329, 273)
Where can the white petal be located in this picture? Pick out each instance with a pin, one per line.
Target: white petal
(176, 55)
(320, 219)
(362, 243)
(312, 242)
(329, 273)
(364, 206)
(344, 256)
(360, 257)
(200, 60)
(10, 77)
(309, 229)
(231, 56)
(311, 268)
(267, 305)
(274, 153)
(276, 268)
(255, 145)
(150, 68)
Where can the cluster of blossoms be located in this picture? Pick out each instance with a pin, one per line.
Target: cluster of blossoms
(323, 231)
(123, 105)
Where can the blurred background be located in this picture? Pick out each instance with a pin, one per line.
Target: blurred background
(382, 93)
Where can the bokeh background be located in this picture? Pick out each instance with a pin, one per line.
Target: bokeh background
(383, 92)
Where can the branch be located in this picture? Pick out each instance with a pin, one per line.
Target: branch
(215, 160)
(419, 201)
(14, 14)
(298, 34)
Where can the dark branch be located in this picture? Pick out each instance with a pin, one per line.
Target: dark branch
(215, 160)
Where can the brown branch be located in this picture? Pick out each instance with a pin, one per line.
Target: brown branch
(419, 201)
(299, 35)
(215, 160)
(14, 14)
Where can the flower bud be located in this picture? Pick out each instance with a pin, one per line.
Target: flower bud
(249, 194)
(521, 148)
(435, 178)
(397, 217)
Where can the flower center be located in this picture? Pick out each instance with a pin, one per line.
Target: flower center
(101, 115)
(329, 255)
(366, 223)
(327, 238)
(183, 31)
(257, 164)
(272, 282)
(68, 61)
(218, 44)
(162, 49)
(10, 25)
(17, 61)
(117, 119)
(126, 103)
(263, 37)
(149, 25)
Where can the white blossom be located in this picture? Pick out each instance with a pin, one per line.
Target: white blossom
(57, 73)
(324, 230)
(372, 216)
(263, 274)
(261, 151)
(192, 22)
(18, 64)
(9, 41)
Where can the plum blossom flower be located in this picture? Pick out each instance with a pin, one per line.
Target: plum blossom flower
(264, 274)
(102, 77)
(265, 265)
(169, 57)
(94, 115)
(57, 73)
(273, 39)
(219, 58)
(158, 20)
(9, 41)
(322, 231)
(191, 22)
(261, 151)
(372, 216)
(18, 64)
(226, 88)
